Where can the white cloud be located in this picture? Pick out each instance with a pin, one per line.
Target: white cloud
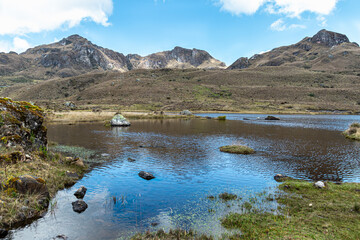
(24, 16)
(18, 45)
(280, 25)
(291, 8)
(241, 6)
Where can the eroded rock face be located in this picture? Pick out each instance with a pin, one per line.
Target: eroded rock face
(329, 38)
(21, 123)
(241, 63)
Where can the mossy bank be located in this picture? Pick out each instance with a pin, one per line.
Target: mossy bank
(29, 174)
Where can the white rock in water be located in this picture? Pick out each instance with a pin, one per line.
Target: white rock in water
(320, 184)
(119, 121)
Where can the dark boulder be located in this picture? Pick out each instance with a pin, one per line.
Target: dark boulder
(80, 193)
(272, 118)
(79, 206)
(28, 184)
(3, 233)
(146, 175)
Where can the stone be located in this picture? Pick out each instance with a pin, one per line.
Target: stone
(70, 105)
(146, 175)
(131, 159)
(272, 118)
(79, 206)
(79, 162)
(319, 184)
(60, 237)
(28, 184)
(186, 113)
(119, 121)
(281, 178)
(154, 224)
(72, 174)
(3, 233)
(80, 193)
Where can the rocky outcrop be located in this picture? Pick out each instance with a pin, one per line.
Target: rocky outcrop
(329, 38)
(311, 49)
(177, 58)
(272, 118)
(21, 124)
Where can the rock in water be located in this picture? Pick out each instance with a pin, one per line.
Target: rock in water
(186, 113)
(3, 233)
(319, 184)
(119, 121)
(79, 206)
(80, 193)
(272, 118)
(146, 175)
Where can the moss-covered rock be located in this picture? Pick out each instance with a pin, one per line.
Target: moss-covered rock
(21, 124)
(238, 149)
(353, 132)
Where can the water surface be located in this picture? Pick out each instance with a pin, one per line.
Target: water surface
(185, 158)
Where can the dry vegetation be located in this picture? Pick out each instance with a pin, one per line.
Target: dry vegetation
(264, 89)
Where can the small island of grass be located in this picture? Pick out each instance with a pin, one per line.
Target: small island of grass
(238, 149)
(353, 132)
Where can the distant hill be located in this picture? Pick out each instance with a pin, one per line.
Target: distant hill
(76, 55)
(325, 51)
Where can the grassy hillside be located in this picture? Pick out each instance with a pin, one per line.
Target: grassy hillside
(262, 89)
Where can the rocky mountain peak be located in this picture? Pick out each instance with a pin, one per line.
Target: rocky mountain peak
(72, 39)
(329, 38)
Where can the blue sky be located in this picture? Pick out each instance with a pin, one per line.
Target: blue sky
(227, 29)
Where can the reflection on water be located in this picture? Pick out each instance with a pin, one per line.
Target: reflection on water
(184, 157)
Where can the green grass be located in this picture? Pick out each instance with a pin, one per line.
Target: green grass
(172, 234)
(238, 149)
(227, 196)
(353, 132)
(305, 213)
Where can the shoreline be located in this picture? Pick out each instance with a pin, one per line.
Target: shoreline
(87, 116)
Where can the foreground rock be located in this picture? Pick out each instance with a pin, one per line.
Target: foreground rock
(79, 206)
(119, 121)
(80, 193)
(272, 118)
(21, 125)
(28, 184)
(146, 175)
(3, 233)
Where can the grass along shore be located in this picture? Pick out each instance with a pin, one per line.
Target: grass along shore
(305, 212)
(53, 168)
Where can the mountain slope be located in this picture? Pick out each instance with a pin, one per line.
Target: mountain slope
(325, 51)
(76, 55)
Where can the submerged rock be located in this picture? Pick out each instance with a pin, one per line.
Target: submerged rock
(119, 121)
(79, 206)
(146, 175)
(319, 184)
(272, 118)
(80, 193)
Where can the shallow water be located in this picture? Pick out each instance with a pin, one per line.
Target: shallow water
(185, 158)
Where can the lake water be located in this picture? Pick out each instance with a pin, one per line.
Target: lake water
(184, 156)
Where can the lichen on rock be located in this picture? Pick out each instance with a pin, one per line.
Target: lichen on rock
(21, 124)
